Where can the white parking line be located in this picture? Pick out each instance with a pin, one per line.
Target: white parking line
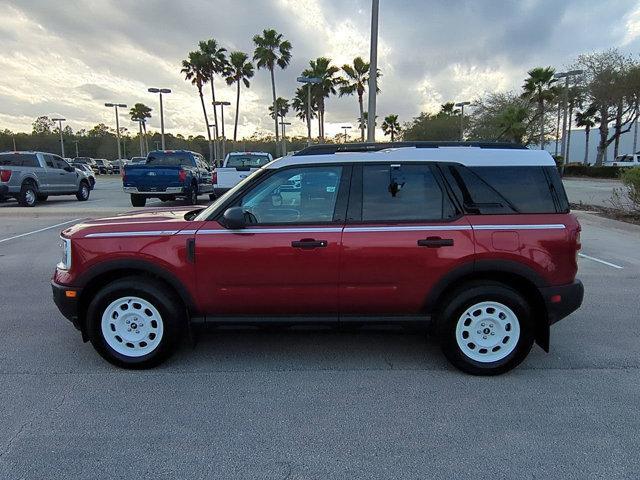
(600, 261)
(40, 230)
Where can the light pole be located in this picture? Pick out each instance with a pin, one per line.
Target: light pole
(60, 120)
(373, 73)
(160, 91)
(345, 128)
(115, 106)
(76, 142)
(14, 143)
(566, 76)
(462, 105)
(309, 81)
(215, 140)
(224, 138)
(284, 142)
(157, 144)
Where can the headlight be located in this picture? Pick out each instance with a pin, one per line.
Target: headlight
(65, 262)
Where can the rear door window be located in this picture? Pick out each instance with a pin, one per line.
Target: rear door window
(19, 160)
(403, 193)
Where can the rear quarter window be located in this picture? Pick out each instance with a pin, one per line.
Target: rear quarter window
(503, 190)
(19, 160)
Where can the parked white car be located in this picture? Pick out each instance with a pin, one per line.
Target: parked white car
(624, 161)
(236, 167)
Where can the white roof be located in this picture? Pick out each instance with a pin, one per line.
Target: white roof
(469, 156)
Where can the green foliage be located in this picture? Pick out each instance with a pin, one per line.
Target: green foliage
(43, 125)
(390, 126)
(433, 127)
(271, 50)
(503, 117)
(573, 170)
(282, 106)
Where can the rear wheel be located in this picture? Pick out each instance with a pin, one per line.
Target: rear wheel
(134, 323)
(83, 192)
(486, 328)
(138, 200)
(28, 196)
(192, 196)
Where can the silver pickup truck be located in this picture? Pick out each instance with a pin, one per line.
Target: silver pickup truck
(31, 177)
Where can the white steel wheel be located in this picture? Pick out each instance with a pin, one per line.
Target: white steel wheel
(132, 326)
(487, 332)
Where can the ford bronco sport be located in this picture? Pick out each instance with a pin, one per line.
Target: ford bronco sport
(475, 239)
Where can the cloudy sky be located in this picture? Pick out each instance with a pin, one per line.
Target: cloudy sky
(69, 57)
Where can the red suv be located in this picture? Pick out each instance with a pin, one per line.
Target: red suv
(475, 239)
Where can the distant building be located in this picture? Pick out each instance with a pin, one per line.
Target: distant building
(577, 145)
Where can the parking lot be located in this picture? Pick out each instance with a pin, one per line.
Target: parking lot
(319, 404)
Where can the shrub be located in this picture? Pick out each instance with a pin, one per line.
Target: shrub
(589, 171)
(631, 180)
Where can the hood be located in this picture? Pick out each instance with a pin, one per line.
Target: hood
(160, 220)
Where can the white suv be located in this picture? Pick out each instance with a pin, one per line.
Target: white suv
(624, 161)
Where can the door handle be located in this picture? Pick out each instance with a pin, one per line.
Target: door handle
(309, 243)
(435, 242)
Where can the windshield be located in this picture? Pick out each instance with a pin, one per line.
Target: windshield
(206, 213)
(138, 159)
(169, 159)
(249, 160)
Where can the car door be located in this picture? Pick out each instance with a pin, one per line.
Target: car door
(66, 174)
(403, 234)
(55, 181)
(286, 261)
(204, 177)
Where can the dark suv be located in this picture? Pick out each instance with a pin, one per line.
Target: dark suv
(475, 240)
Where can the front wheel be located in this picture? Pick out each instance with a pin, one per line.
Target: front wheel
(83, 192)
(486, 328)
(138, 200)
(134, 323)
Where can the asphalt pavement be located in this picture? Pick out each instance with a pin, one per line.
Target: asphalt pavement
(313, 404)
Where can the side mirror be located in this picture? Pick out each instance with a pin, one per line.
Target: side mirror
(234, 218)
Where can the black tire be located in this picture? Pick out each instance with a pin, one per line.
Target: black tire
(160, 297)
(92, 183)
(42, 198)
(3, 199)
(473, 293)
(138, 200)
(192, 196)
(84, 190)
(28, 196)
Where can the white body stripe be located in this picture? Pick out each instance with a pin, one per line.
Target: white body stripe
(391, 228)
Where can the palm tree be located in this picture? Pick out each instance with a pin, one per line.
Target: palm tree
(322, 69)
(390, 126)
(139, 113)
(538, 87)
(587, 119)
(299, 104)
(271, 50)
(216, 64)
(448, 109)
(513, 122)
(282, 108)
(240, 71)
(196, 71)
(356, 82)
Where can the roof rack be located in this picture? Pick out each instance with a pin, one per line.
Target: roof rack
(331, 148)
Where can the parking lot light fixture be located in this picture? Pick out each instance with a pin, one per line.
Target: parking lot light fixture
(160, 91)
(462, 105)
(284, 142)
(309, 81)
(224, 138)
(345, 128)
(116, 106)
(60, 120)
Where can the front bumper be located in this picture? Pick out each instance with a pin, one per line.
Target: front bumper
(68, 306)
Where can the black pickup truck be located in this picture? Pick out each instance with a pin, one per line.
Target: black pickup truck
(167, 175)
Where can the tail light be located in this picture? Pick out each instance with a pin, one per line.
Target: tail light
(214, 177)
(182, 175)
(5, 175)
